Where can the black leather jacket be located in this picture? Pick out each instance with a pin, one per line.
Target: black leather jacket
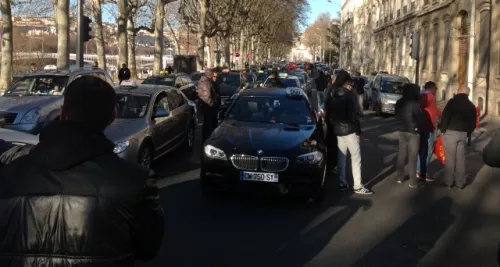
(73, 202)
(343, 112)
(408, 111)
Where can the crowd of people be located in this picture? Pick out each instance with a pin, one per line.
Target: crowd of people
(418, 116)
(70, 200)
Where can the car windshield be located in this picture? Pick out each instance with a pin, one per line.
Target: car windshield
(38, 86)
(393, 86)
(270, 109)
(262, 76)
(168, 81)
(131, 106)
(301, 79)
(233, 80)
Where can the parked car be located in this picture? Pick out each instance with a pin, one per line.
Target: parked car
(152, 120)
(180, 81)
(386, 90)
(229, 84)
(35, 99)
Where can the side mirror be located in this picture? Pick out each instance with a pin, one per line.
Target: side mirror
(161, 113)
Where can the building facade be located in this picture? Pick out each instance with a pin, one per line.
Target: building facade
(299, 51)
(445, 35)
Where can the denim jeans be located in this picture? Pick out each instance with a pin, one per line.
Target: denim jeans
(427, 141)
(408, 148)
(349, 143)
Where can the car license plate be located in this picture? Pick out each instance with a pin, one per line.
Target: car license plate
(259, 177)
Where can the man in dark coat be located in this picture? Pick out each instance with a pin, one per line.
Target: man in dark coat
(409, 114)
(72, 201)
(342, 110)
(124, 73)
(457, 124)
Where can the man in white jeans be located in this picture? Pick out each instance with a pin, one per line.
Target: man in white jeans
(344, 116)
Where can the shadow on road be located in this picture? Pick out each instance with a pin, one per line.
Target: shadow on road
(413, 240)
(246, 230)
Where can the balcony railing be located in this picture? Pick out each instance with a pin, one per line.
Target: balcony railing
(398, 13)
(405, 9)
(413, 6)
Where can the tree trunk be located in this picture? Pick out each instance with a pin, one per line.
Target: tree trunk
(122, 32)
(176, 38)
(132, 65)
(6, 65)
(227, 50)
(242, 56)
(158, 54)
(207, 53)
(200, 51)
(62, 23)
(99, 36)
(257, 57)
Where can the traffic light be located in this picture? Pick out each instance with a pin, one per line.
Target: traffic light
(86, 29)
(414, 45)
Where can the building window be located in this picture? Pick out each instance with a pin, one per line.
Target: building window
(424, 43)
(484, 35)
(447, 46)
(435, 47)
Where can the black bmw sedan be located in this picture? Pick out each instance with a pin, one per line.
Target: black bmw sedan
(268, 137)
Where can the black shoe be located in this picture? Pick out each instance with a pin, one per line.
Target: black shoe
(343, 187)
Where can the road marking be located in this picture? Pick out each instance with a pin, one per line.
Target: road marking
(179, 178)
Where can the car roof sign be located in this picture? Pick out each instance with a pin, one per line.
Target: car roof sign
(293, 92)
(283, 74)
(129, 83)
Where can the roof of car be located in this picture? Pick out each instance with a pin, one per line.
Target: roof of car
(382, 75)
(142, 89)
(167, 75)
(62, 72)
(271, 91)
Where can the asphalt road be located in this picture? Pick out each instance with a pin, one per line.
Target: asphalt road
(398, 226)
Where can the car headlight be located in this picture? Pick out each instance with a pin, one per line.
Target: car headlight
(31, 116)
(310, 158)
(214, 153)
(121, 146)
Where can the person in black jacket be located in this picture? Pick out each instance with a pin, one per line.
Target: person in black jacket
(10, 152)
(409, 114)
(321, 81)
(457, 124)
(124, 73)
(343, 116)
(72, 201)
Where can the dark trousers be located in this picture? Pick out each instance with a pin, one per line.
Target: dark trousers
(427, 140)
(210, 120)
(331, 148)
(454, 152)
(409, 144)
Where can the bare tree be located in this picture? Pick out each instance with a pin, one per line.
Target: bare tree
(99, 37)
(62, 23)
(173, 22)
(122, 31)
(6, 64)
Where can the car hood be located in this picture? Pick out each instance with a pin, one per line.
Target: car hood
(125, 129)
(250, 137)
(390, 97)
(25, 103)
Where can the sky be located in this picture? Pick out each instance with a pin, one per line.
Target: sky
(321, 6)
